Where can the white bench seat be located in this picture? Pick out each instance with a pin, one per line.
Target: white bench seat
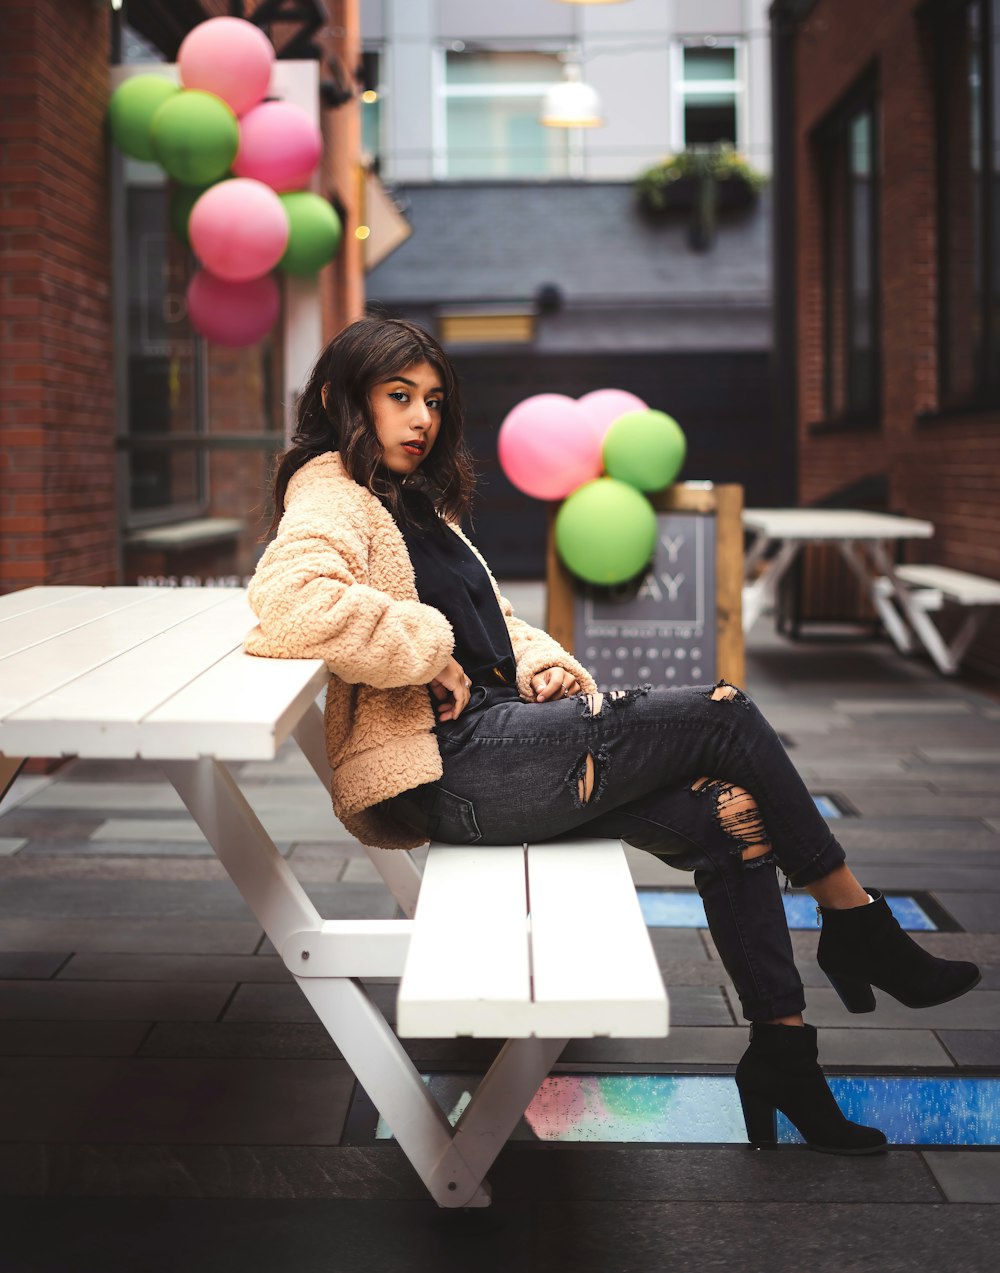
(931, 587)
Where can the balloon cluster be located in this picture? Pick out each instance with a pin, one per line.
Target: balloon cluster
(239, 164)
(553, 447)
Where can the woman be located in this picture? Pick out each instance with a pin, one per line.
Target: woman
(447, 718)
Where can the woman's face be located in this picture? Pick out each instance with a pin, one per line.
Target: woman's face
(407, 412)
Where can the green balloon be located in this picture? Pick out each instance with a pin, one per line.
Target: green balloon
(645, 449)
(314, 233)
(606, 531)
(131, 109)
(195, 137)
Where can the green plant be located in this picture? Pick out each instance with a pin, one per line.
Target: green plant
(657, 186)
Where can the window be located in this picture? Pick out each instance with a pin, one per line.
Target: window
(847, 154)
(371, 105)
(968, 117)
(708, 97)
(492, 101)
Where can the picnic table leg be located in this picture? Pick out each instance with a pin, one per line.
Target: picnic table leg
(398, 870)
(881, 596)
(762, 590)
(243, 846)
(399, 1093)
(919, 620)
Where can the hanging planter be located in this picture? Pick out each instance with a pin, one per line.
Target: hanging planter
(700, 181)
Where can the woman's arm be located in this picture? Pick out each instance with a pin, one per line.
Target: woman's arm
(309, 603)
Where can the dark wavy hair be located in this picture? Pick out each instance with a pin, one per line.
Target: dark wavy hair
(364, 354)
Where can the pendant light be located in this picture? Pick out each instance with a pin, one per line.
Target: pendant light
(571, 103)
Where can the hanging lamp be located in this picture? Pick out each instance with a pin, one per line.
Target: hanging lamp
(571, 103)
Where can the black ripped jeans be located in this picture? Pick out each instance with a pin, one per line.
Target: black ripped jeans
(517, 772)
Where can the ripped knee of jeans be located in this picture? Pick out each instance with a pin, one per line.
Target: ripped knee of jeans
(588, 777)
(596, 703)
(723, 692)
(737, 814)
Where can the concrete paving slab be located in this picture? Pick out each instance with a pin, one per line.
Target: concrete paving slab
(174, 830)
(972, 1047)
(30, 963)
(899, 878)
(585, 1235)
(65, 866)
(130, 935)
(986, 755)
(884, 802)
(112, 1000)
(901, 705)
(175, 968)
(207, 1102)
(143, 797)
(980, 1009)
(77, 848)
(114, 900)
(240, 1040)
(966, 1175)
(72, 1038)
(978, 913)
(10, 845)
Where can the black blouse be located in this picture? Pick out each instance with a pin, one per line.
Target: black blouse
(451, 578)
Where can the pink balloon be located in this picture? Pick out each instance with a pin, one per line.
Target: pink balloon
(547, 446)
(604, 406)
(279, 145)
(239, 229)
(233, 314)
(230, 58)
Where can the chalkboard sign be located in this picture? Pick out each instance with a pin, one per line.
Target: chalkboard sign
(680, 622)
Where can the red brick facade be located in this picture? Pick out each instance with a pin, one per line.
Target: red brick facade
(57, 497)
(945, 469)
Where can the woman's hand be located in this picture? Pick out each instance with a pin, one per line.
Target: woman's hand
(451, 689)
(553, 683)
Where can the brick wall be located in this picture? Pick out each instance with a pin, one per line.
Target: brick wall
(947, 471)
(57, 503)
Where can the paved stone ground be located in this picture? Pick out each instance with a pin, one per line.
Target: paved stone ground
(170, 1102)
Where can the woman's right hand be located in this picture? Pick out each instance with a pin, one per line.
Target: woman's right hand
(451, 689)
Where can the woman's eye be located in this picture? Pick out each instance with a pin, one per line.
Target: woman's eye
(434, 404)
(398, 394)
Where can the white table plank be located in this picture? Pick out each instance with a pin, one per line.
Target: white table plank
(14, 603)
(46, 666)
(46, 622)
(468, 972)
(593, 965)
(833, 523)
(96, 713)
(241, 708)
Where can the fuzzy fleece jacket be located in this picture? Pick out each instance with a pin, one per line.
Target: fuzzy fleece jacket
(337, 584)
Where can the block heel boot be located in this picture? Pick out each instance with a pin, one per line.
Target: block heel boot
(864, 946)
(779, 1070)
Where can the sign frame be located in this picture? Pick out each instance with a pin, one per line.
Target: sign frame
(723, 502)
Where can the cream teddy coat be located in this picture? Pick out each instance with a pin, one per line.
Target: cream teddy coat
(337, 583)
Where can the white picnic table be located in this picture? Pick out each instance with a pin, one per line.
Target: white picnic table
(862, 539)
(532, 943)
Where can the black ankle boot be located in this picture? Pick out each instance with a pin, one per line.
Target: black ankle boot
(779, 1070)
(865, 946)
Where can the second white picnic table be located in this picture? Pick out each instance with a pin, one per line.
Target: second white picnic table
(862, 538)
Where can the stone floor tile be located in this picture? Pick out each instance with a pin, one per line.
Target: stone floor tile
(916, 705)
(131, 935)
(946, 875)
(241, 1040)
(972, 1047)
(882, 803)
(172, 830)
(678, 943)
(143, 797)
(177, 968)
(979, 1009)
(66, 866)
(72, 1038)
(115, 900)
(30, 963)
(960, 755)
(10, 846)
(966, 1175)
(173, 1101)
(269, 1003)
(112, 1000)
(42, 847)
(684, 1045)
(879, 1046)
(408, 1236)
(976, 912)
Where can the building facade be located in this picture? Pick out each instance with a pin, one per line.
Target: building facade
(889, 366)
(531, 257)
(129, 447)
